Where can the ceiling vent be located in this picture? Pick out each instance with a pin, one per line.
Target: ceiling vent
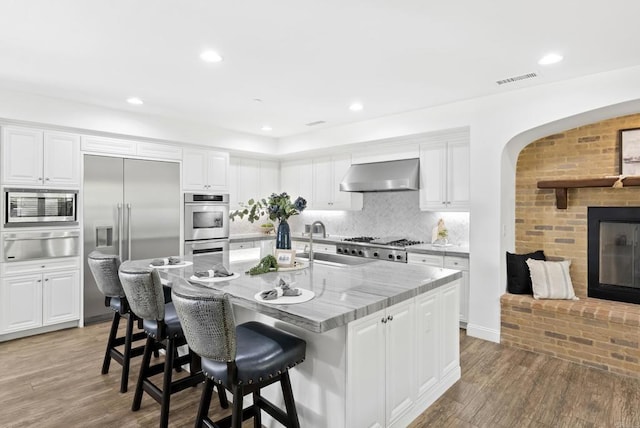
(516, 78)
(317, 122)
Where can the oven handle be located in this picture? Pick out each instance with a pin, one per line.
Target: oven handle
(41, 237)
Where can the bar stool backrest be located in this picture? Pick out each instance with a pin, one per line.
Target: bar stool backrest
(104, 268)
(143, 289)
(207, 321)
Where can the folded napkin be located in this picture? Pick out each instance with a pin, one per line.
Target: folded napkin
(165, 261)
(205, 274)
(282, 289)
(218, 271)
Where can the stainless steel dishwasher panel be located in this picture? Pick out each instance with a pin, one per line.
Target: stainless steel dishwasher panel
(21, 246)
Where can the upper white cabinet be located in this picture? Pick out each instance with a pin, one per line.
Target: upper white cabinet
(40, 158)
(252, 178)
(327, 175)
(444, 173)
(205, 170)
(296, 178)
(119, 147)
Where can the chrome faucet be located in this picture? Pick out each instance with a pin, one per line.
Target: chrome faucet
(324, 235)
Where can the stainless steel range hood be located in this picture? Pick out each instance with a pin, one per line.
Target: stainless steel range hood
(382, 176)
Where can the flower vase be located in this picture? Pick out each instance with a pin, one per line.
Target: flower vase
(283, 236)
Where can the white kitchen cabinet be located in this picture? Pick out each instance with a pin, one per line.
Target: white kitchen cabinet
(381, 366)
(444, 173)
(205, 170)
(252, 179)
(397, 358)
(115, 146)
(462, 264)
(449, 262)
(327, 175)
(60, 297)
(21, 298)
(36, 294)
(40, 158)
(296, 178)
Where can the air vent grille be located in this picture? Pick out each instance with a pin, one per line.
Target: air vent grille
(317, 122)
(516, 78)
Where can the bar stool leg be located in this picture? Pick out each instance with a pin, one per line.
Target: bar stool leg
(126, 355)
(289, 402)
(205, 402)
(257, 418)
(146, 359)
(112, 338)
(236, 415)
(166, 383)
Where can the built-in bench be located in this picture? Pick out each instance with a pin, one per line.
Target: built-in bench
(592, 332)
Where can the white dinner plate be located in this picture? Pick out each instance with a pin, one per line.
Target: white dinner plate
(215, 279)
(287, 300)
(182, 264)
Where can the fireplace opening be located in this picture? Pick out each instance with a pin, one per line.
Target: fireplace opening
(614, 253)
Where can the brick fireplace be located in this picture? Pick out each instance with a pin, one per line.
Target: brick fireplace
(590, 331)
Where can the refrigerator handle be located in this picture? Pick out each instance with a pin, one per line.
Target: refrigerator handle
(120, 230)
(129, 230)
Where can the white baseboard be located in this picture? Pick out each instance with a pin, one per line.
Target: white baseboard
(483, 333)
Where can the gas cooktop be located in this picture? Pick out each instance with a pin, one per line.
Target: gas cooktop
(390, 248)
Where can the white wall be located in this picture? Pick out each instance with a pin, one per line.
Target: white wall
(500, 126)
(19, 106)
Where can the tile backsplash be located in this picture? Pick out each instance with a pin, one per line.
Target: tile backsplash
(383, 214)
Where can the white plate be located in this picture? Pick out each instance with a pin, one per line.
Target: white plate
(215, 279)
(182, 264)
(287, 300)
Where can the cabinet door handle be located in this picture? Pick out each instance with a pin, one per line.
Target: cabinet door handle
(39, 280)
(47, 279)
(384, 320)
(39, 178)
(390, 318)
(46, 179)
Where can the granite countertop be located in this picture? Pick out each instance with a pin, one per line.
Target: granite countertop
(342, 294)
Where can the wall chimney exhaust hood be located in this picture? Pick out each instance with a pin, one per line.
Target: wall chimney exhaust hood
(382, 176)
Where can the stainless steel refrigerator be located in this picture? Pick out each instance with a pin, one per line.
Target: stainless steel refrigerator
(131, 208)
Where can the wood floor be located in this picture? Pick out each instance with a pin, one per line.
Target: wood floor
(54, 380)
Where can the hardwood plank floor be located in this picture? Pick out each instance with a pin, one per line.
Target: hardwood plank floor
(53, 380)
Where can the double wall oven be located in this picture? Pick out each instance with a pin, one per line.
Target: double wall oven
(206, 225)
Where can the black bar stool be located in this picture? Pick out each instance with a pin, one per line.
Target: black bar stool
(243, 359)
(104, 268)
(145, 293)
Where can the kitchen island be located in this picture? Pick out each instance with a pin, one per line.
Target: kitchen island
(382, 339)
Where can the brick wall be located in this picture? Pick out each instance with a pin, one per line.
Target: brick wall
(592, 332)
(587, 152)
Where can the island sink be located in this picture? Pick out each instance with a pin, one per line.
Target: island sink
(334, 259)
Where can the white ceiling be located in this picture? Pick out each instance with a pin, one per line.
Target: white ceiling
(307, 60)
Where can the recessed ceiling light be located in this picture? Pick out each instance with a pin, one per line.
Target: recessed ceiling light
(551, 58)
(267, 128)
(210, 56)
(356, 107)
(135, 101)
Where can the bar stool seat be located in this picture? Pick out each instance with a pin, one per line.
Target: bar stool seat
(244, 358)
(171, 324)
(263, 352)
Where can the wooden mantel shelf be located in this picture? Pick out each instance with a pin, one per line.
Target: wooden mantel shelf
(561, 186)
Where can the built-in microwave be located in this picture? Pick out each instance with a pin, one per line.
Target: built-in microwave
(40, 207)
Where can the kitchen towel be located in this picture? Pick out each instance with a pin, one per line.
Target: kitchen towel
(218, 271)
(282, 289)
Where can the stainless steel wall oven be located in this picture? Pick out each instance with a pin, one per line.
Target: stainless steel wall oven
(206, 216)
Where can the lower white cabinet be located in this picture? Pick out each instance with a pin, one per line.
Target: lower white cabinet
(397, 358)
(39, 294)
(449, 262)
